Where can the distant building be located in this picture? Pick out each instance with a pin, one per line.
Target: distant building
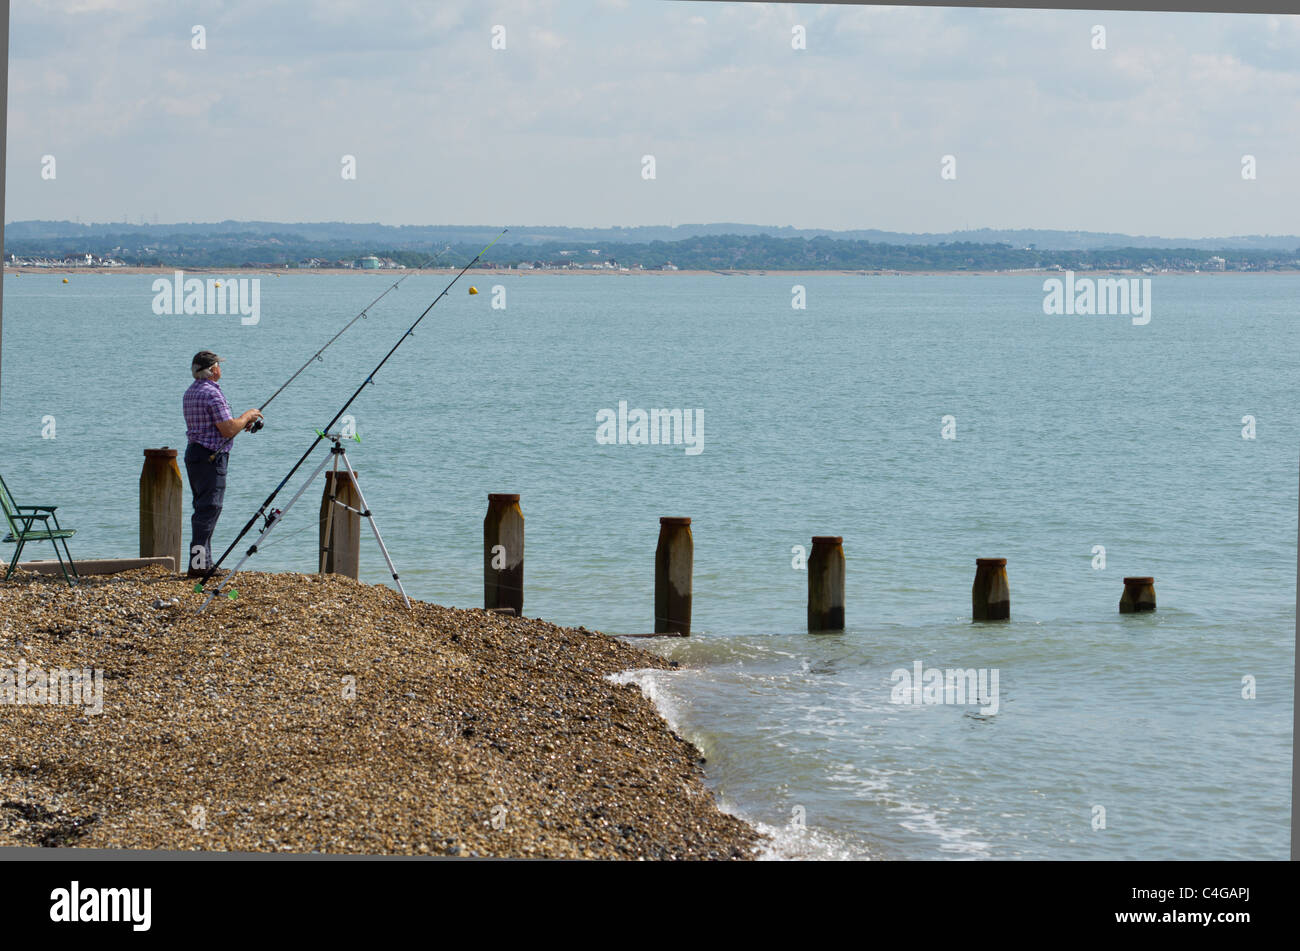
(1216, 264)
(368, 263)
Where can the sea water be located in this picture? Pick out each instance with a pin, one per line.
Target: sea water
(927, 420)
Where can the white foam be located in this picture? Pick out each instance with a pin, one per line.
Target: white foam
(647, 679)
(783, 843)
(788, 844)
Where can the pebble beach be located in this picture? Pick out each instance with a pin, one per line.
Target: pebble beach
(318, 714)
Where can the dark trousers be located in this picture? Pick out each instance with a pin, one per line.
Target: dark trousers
(207, 473)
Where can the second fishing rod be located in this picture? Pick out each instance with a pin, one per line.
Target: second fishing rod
(321, 434)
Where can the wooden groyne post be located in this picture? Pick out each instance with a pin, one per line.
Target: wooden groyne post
(674, 566)
(503, 553)
(340, 529)
(991, 594)
(1139, 595)
(161, 494)
(826, 584)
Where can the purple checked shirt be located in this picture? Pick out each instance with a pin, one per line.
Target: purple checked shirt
(205, 404)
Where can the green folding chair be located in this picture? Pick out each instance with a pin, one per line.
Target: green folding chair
(22, 518)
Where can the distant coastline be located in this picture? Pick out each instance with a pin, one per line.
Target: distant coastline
(259, 247)
(385, 273)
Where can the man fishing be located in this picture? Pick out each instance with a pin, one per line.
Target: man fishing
(210, 429)
(252, 421)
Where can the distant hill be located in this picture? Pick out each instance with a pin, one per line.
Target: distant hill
(347, 234)
(723, 247)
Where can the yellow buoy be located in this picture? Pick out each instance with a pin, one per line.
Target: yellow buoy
(218, 284)
(65, 280)
(473, 290)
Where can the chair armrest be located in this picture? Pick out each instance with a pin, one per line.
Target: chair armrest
(37, 508)
(29, 518)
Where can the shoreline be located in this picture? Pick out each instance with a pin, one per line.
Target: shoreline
(464, 734)
(390, 273)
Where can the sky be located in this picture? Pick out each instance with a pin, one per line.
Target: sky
(1146, 136)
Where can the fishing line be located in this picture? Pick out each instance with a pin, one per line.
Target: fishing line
(257, 424)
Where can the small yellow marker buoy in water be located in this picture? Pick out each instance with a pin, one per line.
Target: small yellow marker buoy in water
(65, 280)
(473, 290)
(218, 284)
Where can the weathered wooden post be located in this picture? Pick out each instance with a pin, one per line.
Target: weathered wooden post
(503, 553)
(674, 564)
(160, 506)
(991, 595)
(826, 584)
(1139, 595)
(340, 529)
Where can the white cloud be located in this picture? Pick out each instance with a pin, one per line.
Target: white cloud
(846, 133)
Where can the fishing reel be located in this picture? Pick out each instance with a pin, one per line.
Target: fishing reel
(255, 425)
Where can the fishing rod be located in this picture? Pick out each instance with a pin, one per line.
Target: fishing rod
(257, 423)
(322, 434)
